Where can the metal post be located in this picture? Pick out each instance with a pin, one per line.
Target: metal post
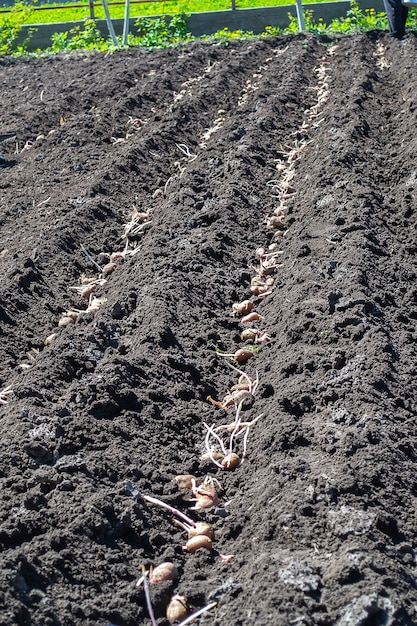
(300, 16)
(91, 5)
(110, 24)
(126, 23)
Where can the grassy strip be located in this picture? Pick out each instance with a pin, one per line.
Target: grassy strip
(171, 7)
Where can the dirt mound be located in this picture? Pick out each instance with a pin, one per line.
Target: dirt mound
(150, 192)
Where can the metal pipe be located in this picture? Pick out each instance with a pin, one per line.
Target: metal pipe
(126, 23)
(110, 24)
(300, 16)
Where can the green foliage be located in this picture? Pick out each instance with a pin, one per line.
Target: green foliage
(165, 31)
(152, 33)
(272, 31)
(225, 35)
(10, 27)
(314, 27)
(412, 18)
(292, 24)
(310, 25)
(161, 32)
(86, 37)
(357, 20)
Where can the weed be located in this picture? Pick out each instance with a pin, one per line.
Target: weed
(86, 37)
(272, 31)
(10, 27)
(225, 35)
(357, 20)
(161, 32)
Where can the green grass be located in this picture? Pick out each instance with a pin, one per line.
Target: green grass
(173, 7)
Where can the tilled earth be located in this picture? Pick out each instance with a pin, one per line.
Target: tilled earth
(105, 383)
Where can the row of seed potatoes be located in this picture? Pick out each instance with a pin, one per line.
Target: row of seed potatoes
(226, 444)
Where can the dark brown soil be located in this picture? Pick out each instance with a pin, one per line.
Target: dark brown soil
(321, 515)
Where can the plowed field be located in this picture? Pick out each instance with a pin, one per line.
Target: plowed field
(145, 194)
